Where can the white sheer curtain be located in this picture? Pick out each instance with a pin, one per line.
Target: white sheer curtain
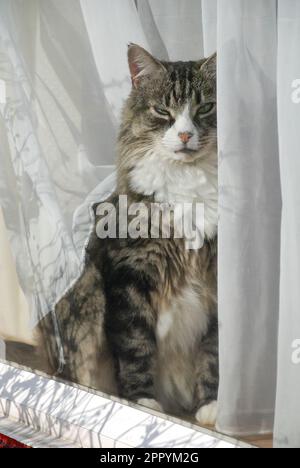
(259, 254)
(287, 415)
(66, 74)
(250, 211)
(64, 66)
(52, 153)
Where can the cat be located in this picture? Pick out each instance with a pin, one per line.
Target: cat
(146, 308)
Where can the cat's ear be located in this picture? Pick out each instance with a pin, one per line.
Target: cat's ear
(209, 67)
(141, 63)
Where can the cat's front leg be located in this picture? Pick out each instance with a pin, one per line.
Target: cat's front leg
(208, 378)
(130, 328)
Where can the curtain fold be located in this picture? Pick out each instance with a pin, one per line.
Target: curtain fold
(249, 214)
(287, 420)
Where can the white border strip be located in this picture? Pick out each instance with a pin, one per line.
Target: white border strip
(90, 420)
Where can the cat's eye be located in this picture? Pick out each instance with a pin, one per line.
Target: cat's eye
(206, 108)
(161, 111)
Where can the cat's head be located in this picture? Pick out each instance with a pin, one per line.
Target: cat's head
(171, 109)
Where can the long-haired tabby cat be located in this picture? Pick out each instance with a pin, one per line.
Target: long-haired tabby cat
(151, 303)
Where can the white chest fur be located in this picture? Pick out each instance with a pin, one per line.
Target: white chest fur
(174, 182)
(183, 322)
(179, 330)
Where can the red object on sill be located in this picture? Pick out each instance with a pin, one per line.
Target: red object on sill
(8, 443)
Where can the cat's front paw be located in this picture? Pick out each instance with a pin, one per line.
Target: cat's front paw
(150, 403)
(207, 414)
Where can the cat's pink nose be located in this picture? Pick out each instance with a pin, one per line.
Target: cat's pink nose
(185, 136)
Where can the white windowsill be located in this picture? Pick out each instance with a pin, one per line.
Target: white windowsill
(47, 412)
